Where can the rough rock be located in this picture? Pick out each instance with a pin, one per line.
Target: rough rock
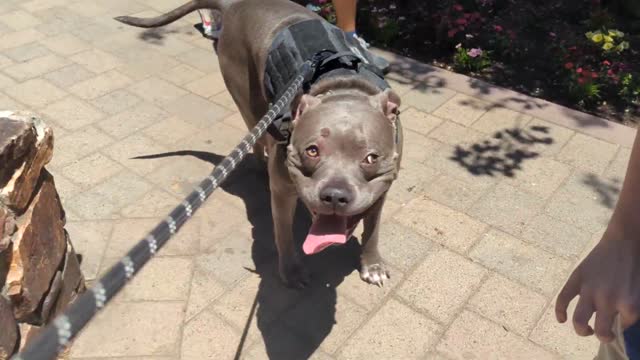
(9, 333)
(50, 299)
(7, 227)
(26, 145)
(39, 246)
(72, 281)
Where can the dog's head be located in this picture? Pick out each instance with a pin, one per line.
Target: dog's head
(342, 158)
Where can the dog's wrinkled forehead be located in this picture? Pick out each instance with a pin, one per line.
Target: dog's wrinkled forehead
(352, 119)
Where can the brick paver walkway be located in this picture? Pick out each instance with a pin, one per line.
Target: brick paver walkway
(499, 198)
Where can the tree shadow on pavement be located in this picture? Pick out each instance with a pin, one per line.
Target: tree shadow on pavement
(293, 323)
(607, 190)
(502, 154)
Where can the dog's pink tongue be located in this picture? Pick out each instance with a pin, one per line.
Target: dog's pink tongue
(325, 231)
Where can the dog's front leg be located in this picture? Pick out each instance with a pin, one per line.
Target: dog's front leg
(372, 268)
(292, 271)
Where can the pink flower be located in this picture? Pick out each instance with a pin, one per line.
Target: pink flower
(475, 52)
(497, 28)
(579, 70)
(323, 1)
(451, 33)
(594, 75)
(606, 63)
(568, 65)
(552, 34)
(610, 72)
(581, 81)
(458, 7)
(461, 21)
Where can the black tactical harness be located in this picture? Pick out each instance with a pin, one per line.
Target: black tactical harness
(340, 56)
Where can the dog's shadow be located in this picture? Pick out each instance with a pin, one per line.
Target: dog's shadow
(292, 323)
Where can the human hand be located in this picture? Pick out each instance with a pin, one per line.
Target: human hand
(608, 283)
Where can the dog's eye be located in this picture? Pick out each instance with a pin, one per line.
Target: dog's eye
(312, 151)
(371, 159)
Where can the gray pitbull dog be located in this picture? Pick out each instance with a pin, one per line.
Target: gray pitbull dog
(346, 141)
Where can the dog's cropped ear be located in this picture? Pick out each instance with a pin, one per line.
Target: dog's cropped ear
(305, 103)
(388, 102)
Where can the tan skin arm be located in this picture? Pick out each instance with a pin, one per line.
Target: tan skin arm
(608, 279)
(346, 14)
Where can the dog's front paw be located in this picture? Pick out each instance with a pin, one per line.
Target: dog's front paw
(295, 275)
(374, 274)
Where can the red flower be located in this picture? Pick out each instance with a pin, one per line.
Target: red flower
(610, 72)
(568, 65)
(581, 81)
(458, 7)
(579, 70)
(452, 32)
(461, 21)
(594, 75)
(497, 28)
(586, 73)
(573, 48)
(606, 63)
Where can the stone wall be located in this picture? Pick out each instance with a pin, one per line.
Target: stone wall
(39, 270)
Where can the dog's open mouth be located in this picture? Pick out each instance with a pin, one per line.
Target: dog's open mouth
(328, 230)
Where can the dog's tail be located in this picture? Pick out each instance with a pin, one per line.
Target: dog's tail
(175, 14)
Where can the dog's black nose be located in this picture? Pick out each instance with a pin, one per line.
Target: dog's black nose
(336, 196)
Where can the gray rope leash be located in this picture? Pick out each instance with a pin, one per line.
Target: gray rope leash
(57, 335)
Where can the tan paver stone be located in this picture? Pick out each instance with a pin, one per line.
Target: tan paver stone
(132, 120)
(65, 187)
(36, 67)
(100, 85)
(452, 133)
(90, 239)
(507, 208)
(228, 259)
(427, 99)
(69, 75)
(91, 170)
(95, 29)
(325, 319)
(413, 180)
(442, 284)
(79, 144)
(36, 5)
(418, 148)
(105, 200)
(157, 90)
(521, 262)
(201, 59)
(419, 121)
(207, 86)
(471, 334)
(65, 44)
(402, 247)
(19, 20)
(441, 224)
(588, 153)
(9, 103)
(395, 331)
(225, 99)
(128, 151)
(509, 304)
(170, 131)
(196, 110)
(462, 109)
(132, 329)
(128, 232)
(146, 64)
(155, 204)
(5, 61)
(116, 102)
(540, 176)
(561, 338)
(367, 296)
(556, 236)
(498, 119)
(6, 81)
(19, 38)
(179, 176)
(618, 167)
(205, 288)
(36, 93)
(183, 74)
(96, 60)
(27, 52)
(173, 46)
(587, 207)
(71, 113)
(88, 9)
(153, 282)
(456, 193)
(236, 121)
(559, 136)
